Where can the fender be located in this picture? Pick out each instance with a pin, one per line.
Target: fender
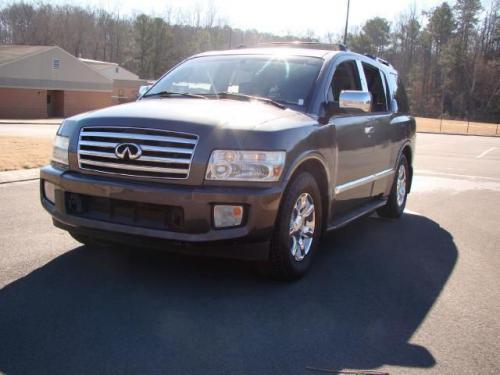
(301, 159)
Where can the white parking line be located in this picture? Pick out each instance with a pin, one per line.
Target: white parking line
(485, 152)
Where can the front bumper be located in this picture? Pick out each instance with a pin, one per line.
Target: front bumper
(261, 207)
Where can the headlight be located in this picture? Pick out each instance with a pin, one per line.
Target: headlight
(60, 152)
(228, 165)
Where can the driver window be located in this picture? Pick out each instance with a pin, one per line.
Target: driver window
(346, 77)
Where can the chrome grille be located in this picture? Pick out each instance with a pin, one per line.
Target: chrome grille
(165, 154)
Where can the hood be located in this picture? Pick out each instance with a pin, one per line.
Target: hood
(222, 113)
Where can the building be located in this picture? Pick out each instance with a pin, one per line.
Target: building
(46, 81)
(125, 83)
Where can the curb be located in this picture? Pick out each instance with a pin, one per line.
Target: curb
(19, 175)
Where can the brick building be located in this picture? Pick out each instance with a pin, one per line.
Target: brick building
(125, 83)
(47, 81)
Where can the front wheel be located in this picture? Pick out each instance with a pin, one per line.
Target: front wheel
(397, 198)
(298, 228)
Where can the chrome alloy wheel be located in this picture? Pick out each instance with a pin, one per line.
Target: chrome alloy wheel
(302, 226)
(401, 185)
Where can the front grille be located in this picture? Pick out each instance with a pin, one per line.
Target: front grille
(165, 154)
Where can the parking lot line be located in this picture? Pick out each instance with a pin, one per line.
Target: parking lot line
(481, 155)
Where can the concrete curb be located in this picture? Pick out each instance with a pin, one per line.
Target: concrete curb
(19, 175)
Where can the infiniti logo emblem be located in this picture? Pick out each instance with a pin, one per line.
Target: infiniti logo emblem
(128, 151)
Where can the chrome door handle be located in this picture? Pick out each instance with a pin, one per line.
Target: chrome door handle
(369, 130)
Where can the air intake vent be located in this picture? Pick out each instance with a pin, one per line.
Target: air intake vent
(138, 152)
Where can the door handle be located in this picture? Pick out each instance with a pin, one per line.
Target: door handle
(369, 130)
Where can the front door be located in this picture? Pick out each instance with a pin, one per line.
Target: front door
(354, 145)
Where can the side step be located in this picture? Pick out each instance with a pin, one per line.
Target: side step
(356, 214)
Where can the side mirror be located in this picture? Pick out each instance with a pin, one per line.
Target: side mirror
(143, 89)
(355, 101)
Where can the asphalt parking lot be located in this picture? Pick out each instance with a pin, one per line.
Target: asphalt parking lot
(415, 295)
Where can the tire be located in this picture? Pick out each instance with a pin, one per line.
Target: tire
(290, 257)
(399, 192)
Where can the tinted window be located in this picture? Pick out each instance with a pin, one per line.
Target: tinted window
(398, 93)
(285, 79)
(346, 77)
(376, 88)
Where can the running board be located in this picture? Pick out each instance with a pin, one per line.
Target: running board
(356, 214)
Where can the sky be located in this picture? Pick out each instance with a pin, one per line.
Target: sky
(275, 16)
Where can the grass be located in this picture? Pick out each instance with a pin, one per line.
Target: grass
(24, 152)
(457, 127)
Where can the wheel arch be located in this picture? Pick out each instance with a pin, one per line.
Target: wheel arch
(407, 151)
(317, 167)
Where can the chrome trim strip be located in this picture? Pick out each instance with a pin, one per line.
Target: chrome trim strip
(133, 167)
(362, 181)
(110, 155)
(143, 147)
(383, 174)
(144, 137)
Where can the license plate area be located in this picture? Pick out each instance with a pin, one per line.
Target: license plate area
(137, 214)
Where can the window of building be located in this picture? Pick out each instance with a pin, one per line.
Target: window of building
(56, 64)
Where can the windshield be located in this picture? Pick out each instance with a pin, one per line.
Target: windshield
(283, 79)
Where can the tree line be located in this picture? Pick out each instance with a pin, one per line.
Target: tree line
(447, 56)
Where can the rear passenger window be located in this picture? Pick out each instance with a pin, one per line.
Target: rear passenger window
(376, 88)
(398, 93)
(346, 77)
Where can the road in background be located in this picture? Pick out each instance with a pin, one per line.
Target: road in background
(28, 130)
(415, 295)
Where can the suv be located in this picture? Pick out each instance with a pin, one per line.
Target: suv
(250, 153)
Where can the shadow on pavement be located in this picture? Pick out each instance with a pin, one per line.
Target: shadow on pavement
(110, 311)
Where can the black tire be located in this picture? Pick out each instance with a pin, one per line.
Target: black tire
(393, 209)
(283, 265)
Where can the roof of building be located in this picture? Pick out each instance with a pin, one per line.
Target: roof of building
(49, 68)
(111, 70)
(13, 52)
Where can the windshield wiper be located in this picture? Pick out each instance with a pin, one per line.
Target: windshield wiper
(234, 95)
(170, 94)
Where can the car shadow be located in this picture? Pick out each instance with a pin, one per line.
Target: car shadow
(132, 311)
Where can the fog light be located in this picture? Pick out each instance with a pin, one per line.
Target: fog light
(49, 191)
(227, 216)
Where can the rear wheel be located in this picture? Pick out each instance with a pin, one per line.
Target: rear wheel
(298, 229)
(397, 198)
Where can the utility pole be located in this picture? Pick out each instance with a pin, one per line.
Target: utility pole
(346, 22)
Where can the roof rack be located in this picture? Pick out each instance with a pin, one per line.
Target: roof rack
(308, 45)
(378, 59)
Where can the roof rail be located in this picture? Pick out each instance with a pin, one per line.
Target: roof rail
(378, 59)
(309, 45)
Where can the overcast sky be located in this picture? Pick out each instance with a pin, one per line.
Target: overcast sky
(276, 16)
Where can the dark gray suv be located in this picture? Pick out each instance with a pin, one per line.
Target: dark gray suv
(250, 153)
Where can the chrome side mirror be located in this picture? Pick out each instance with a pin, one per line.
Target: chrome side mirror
(357, 101)
(143, 89)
